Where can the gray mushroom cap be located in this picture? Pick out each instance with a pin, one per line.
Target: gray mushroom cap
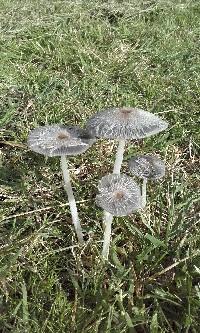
(125, 123)
(58, 140)
(119, 194)
(147, 166)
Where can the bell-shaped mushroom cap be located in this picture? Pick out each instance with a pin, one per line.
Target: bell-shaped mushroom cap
(119, 194)
(147, 166)
(57, 140)
(125, 123)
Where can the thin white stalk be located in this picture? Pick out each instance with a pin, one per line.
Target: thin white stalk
(105, 216)
(72, 202)
(144, 192)
(117, 166)
(119, 156)
(107, 234)
(107, 219)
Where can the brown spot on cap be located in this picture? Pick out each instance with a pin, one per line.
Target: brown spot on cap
(119, 195)
(125, 112)
(63, 136)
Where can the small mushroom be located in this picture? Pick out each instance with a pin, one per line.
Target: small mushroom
(59, 140)
(124, 124)
(119, 196)
(146, 167)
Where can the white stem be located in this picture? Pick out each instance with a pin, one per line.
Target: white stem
(144, 192)
(119, 156)
(105, 216)
(107, 234)
(107, 220)
(72, 202)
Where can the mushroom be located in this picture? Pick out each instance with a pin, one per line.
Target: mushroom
(124, 124)
(59, 140)
(119, 196)
(146, 167)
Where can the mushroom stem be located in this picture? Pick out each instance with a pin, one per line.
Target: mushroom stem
(119, 156)
(144, 192)
(72, 202)
(107, 234)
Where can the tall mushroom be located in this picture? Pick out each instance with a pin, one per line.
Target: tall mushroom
(119, 196)
(146, 167)
(124, 124)
(59, 140)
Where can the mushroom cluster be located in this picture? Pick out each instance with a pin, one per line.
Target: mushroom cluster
(119, 194)
(123, 124)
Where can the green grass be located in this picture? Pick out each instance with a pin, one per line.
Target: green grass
(61, 61)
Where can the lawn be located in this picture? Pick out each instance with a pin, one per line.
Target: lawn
(62, 61)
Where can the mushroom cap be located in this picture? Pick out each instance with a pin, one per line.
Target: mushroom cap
(58, 140)
(125, 123)
(119, 194)
(147, 166)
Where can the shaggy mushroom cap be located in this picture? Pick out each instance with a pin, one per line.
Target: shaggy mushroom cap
(57, 140)
(147, 166)
(119, 194)
(125, 123)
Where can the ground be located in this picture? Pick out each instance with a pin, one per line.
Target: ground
(62, 61)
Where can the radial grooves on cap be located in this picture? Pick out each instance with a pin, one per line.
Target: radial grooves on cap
(110, 199)
(125, 123)
(58, 140)
(147, 166)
